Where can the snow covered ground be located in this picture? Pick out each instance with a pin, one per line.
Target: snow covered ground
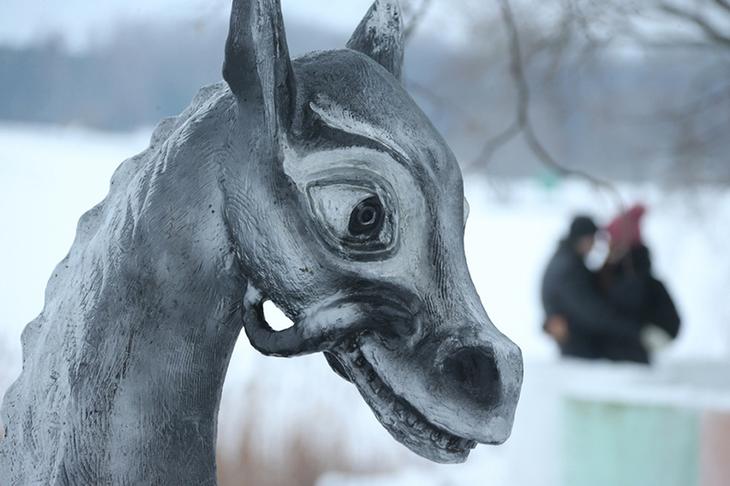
(50, 176)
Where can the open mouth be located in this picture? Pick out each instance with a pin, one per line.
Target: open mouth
(342, 346)
(401, 419)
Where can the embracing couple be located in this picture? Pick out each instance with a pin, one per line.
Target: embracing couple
(619, 312)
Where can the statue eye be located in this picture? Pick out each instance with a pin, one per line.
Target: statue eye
(367, 218)
(356, 219)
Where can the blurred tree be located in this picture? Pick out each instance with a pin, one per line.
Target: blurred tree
(687, 43)
(617, 89)
(702, 120)
(588, 28)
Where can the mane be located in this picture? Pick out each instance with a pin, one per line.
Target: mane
(165, 133)
(106, 214)
(38, 404)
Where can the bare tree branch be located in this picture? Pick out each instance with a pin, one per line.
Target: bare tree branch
(725, 4)
(468, 120)
(707, 28)
(497, 141)
(416, 18)
(522, 123)
(523, 92)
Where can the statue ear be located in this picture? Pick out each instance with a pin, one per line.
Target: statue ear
(380, 36)
(257, 67)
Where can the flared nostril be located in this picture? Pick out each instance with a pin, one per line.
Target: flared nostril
(474, 371)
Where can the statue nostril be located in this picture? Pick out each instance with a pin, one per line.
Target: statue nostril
(474, 370)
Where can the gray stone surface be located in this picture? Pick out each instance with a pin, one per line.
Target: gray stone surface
(316, 183)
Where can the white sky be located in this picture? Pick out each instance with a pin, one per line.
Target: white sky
(82, 22)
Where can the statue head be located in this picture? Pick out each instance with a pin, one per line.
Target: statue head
(351, 220)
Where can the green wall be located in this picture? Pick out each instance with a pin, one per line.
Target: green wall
(619, 444)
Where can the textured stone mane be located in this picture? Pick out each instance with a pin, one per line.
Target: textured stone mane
(80, 345)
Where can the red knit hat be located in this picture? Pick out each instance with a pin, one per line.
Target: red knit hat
(625, 229)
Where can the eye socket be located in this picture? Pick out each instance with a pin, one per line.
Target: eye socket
(356, 218)
(367, 218)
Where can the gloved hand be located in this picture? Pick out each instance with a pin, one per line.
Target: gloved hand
(654, 338)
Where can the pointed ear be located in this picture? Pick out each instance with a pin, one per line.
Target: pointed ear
(257, 67)
(380, 36)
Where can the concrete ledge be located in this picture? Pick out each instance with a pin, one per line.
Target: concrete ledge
(637, 426)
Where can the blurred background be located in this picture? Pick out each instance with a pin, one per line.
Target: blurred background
(552, 108)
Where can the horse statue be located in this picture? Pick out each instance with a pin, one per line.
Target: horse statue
(315, 183)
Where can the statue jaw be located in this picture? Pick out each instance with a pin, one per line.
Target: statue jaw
(399, 417)
(365, 336)
(341, 347)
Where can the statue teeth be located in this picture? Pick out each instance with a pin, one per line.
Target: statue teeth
(402, 413)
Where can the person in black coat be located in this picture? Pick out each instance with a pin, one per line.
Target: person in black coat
(580, 317)
(627, 278)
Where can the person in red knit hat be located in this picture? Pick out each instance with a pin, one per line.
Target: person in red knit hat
(630, 285)
(624, 230)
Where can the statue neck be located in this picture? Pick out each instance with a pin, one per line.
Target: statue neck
(124, 368)
(167, 324)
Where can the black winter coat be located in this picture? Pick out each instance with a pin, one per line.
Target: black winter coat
(631, 287)
(597, 329)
